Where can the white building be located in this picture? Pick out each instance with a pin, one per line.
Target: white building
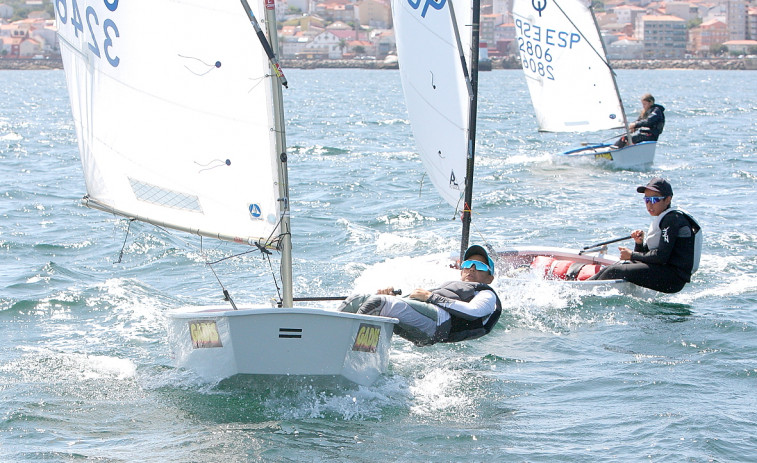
(683, 10)
(625, 49)
(664, 37)
(6, 11)
(736, 18)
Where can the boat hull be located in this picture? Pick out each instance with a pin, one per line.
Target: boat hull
(638, 156)
(215, 342)
(513, 264)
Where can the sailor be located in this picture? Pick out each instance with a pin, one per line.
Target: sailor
(650, 122)
(455, 311)
(665, 257)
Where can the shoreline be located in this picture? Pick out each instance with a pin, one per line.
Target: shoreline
(732, 64)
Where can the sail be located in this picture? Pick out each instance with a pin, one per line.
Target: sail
(571, 84)
(433, 80)
(174, 124)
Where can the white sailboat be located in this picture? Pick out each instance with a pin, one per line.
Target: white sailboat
(178, 111)
(436, 48)
(571, 82)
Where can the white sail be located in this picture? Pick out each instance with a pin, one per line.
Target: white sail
(436, 93)
(172, 107)
(180, 123)
(571, 84)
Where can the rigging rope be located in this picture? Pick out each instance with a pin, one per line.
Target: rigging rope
(599, 55)
(263, 248)
(123, 246)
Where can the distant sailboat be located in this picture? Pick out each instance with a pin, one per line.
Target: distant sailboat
(178, 110)
(571, 82)
(436, 45)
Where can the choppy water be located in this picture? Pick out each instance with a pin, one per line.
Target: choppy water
(84, 368)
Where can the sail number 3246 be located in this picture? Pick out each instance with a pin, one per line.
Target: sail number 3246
(88, 24)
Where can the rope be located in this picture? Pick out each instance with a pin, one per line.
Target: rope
(492, 253)
(599, 55)
(123, 246)
(263, 248)
(226, 296)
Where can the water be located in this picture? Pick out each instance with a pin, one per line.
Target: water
(84, 368)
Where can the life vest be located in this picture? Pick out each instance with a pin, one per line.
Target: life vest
(559, 269)
(696, 229)
(460, 328)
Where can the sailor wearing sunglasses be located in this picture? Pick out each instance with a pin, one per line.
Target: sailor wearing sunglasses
(665, 257)
(455, 311)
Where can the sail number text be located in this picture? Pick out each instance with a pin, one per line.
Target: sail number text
(101, 38)
(536, 46)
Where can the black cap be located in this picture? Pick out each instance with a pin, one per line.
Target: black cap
(477, 250)
(659, 185)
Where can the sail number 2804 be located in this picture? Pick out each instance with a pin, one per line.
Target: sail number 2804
(100, 38)
(537, 45)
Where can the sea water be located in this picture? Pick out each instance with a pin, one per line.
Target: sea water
(85, 371)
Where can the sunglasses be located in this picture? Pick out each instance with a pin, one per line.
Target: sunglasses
(653, 199)
(477, 265)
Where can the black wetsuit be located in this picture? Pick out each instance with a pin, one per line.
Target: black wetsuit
(666, 268)
(649, 125)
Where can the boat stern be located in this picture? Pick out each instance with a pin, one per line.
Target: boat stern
(289, 341)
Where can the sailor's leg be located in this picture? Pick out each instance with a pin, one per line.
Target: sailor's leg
(353, 303)
(417, 320)
(656, 277)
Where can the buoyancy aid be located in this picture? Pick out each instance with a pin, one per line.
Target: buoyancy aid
(696, 229)
(460, 328)
(654, 234)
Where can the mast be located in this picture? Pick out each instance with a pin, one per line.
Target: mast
(612, 74)
(270, 44)
(468, 197)
(278, 119)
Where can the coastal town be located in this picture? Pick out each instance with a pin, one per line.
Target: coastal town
(361, 30)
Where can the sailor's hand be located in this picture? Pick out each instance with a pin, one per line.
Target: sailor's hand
(638, 236)
(632, 126)
(389, 291)
(625, 253)
(420, 294)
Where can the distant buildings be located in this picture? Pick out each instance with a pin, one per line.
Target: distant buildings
(27, 38)
(736, 18)
(663, 36)
(335, 29)
(707, 35)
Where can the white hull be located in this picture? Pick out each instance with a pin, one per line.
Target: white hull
(514, 265)
(216, 342)
(638, 156)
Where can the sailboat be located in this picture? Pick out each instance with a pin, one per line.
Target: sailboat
(179, 117)
(571, 82)
(437, 44)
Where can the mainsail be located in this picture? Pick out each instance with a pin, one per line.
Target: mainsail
(437, 94)
(571, 83)
(179, 114)
(175, 125)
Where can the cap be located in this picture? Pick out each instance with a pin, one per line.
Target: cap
(477, 250)
(659, 185)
